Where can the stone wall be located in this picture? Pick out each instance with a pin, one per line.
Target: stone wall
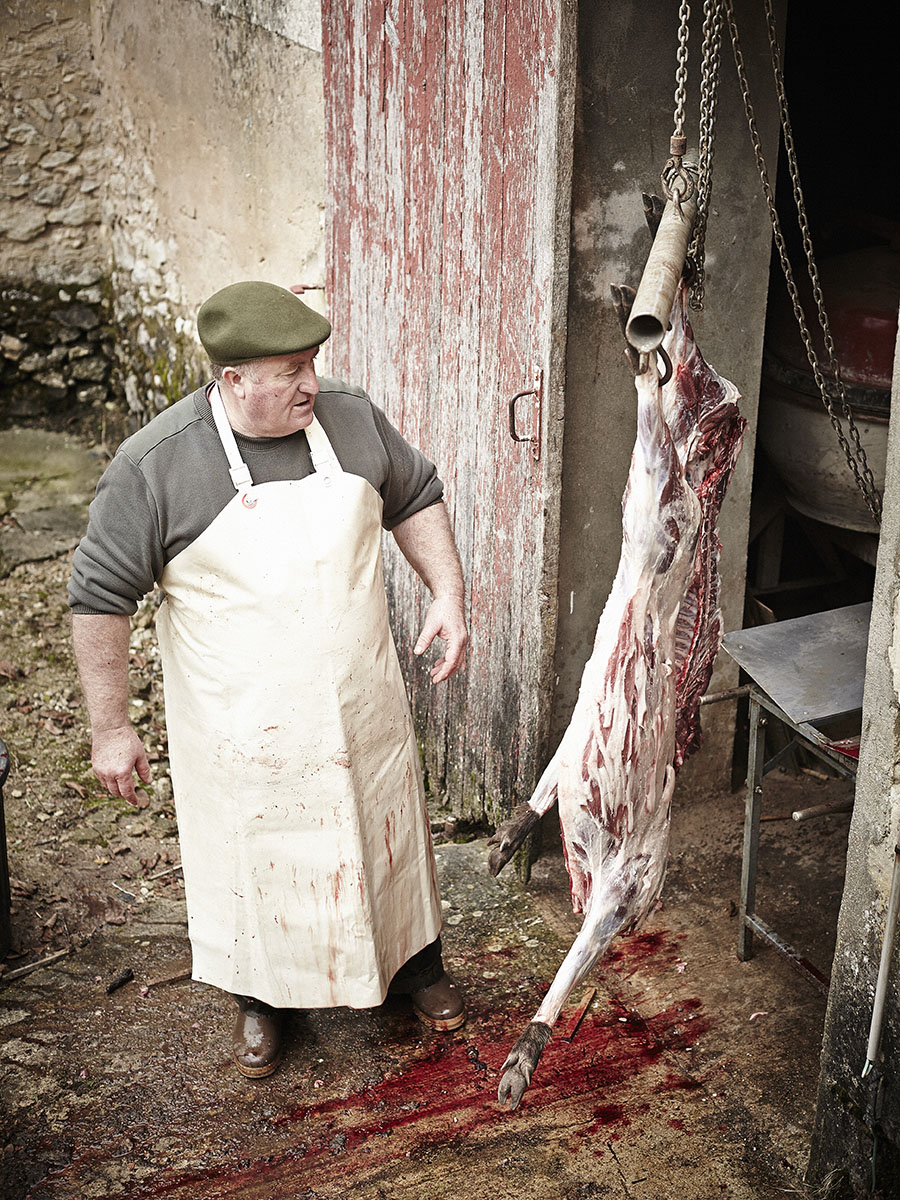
(150, 153)
(57, 351)
(51, 149)
(55, 338)
(213, 119)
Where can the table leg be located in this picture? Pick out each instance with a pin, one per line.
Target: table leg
(752, 811)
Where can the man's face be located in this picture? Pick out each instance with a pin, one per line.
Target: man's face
(275, 397)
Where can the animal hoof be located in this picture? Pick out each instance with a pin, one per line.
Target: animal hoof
(512, 1087)
(510, 836)
(520, 1063)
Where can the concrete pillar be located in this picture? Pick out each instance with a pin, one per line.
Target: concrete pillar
(844, 1141)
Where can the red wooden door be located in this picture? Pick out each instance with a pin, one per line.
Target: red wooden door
(449, 129)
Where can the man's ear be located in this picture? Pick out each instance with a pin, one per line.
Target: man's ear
(234, 380)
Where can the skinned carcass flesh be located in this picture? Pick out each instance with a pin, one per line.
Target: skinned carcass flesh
(637, 715)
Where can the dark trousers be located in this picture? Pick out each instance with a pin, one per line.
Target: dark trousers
(416, 974)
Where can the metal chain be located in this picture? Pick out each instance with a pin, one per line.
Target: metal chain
(857, 461)
(684, 17)
(677, 184)
(859, 453)
(709, 94)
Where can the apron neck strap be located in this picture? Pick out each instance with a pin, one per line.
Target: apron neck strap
(324, 459)
(237, 468)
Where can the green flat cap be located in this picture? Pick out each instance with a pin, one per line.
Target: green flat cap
(257, 320)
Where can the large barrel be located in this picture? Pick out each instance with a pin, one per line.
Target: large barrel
(862, 293)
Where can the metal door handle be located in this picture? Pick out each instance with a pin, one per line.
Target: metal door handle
(514, 433)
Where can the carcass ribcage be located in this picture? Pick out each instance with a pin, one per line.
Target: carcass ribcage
(701, 410)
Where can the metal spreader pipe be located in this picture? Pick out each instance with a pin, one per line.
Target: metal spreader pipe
(887, 946)
(652, 306)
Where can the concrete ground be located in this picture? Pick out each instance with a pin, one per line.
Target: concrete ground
(692, 1075)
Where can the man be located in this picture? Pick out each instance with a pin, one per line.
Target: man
(257, 505)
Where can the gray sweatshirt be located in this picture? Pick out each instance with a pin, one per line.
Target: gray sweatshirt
(170, 480)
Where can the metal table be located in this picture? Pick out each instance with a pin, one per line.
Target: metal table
(806, 673)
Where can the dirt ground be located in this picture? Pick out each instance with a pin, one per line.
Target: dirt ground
(691, 1075)
(79, 860)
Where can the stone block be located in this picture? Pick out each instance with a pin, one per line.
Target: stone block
(54, 382)
(50, 194)
(11, 347)
(71, 134)
(21, 224)
(82, 211)
(77, 316)
(93, 394)
(56, 158)
(90, 370)
(23, 134)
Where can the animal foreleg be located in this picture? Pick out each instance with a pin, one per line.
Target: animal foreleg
(512, 833)
(590, 945)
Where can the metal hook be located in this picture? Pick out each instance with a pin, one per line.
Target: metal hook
(644, 364)
(667, 365)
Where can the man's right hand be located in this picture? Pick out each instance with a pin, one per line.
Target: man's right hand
(101, 650)
(115, 755)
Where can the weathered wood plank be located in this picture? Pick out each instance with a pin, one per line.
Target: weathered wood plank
(449, 211)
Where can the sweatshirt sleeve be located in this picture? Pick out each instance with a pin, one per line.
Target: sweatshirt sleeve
(120, 557)
(412, 481)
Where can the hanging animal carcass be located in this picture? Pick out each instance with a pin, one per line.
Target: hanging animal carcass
(637, 715)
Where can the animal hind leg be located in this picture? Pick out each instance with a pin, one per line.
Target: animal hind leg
(590, 945)
(521, 1062)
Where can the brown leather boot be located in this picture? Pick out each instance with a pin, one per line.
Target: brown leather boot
(440, 1006)
(256, 1041)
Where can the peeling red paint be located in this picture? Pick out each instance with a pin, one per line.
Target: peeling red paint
(442, 161)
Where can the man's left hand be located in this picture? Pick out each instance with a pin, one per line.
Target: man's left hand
(445, 619)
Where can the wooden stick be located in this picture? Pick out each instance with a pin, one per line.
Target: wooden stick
(577, 1017)
(19, 972)
(183, 973)
(167, 871)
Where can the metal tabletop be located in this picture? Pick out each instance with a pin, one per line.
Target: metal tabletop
(812, 667)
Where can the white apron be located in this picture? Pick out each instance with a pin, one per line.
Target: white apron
(308, 865)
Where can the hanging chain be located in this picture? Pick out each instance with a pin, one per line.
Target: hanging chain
(709, 94)
(867, 485)
(677, 183)
(856, 458)
(684, 29)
